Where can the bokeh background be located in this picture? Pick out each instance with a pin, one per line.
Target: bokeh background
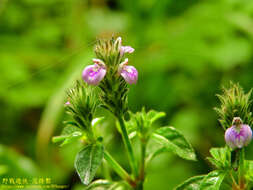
(185, 51)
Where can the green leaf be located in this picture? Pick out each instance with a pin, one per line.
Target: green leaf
(107, 185)
(221, 157)
(153, 115)
(192, 183)
(99, 184)
(249, 170)
(213, 180)
(87, 162)
(97, 121)
(69, 134)
(142, 121)
(175, 142)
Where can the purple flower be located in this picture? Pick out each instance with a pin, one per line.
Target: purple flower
(238, 136)
(123, 49)
(129, 73)
(93, 74)
(126, 49)
(67, 103)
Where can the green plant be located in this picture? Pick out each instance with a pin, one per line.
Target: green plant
(106, 85)
(232, 171)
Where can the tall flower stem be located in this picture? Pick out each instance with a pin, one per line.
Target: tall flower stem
(117, 168)
(142, 166)
(241, 180)
(128, 145)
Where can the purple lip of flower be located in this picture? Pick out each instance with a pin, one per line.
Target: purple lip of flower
(238, 137)
(123, 49)
(129, 73)
(126, 49)
(93, 74)
(67, 103)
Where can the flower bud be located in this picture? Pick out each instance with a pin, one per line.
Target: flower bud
(129, 73)
(238, 136)
(93, 74)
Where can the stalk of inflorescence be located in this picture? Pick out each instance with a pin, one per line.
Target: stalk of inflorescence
(128, 145)
(118, 169)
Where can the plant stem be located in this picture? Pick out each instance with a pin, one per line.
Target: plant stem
(117, 168)
(241, 169)
(142, 166)
(128, 145)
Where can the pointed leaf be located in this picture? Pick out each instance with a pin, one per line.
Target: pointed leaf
(69, 134)
(221, 157)
(192, 183)
(153, 115)
(213, 180)
(87, 162)
(100, 184)
(175, 142)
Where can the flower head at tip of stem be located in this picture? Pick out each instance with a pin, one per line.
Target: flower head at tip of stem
(238, 135)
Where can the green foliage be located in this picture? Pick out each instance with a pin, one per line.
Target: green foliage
(99, 185)
(221, 158)
(174, 141)
(213, 180)
(141, 122)
(234, 103)
(87, 162)
(69, 134)
(191, 184)
(249, 170)
(107, 185)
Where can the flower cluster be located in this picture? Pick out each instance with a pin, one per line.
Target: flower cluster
(93, 74)
(238, 135)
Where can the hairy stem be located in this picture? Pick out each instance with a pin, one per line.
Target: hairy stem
(128, 145)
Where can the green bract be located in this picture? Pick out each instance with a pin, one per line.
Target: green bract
(234, 103)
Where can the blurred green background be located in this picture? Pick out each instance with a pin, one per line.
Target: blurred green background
(185, 51)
